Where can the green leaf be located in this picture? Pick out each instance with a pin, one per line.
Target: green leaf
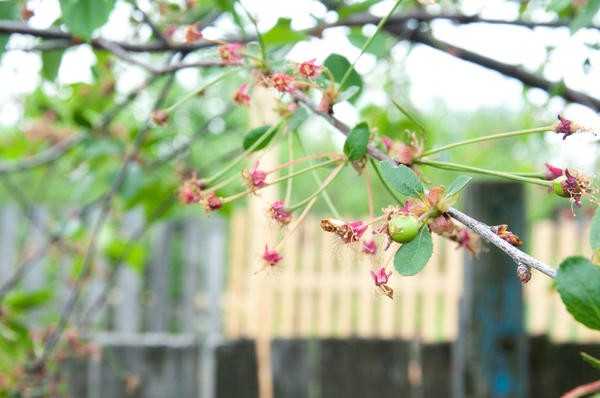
(411, 257)
(558, 5)
(20, 301)
(338, 65)
(457, 185)
(255, 135)
(380, 45)
(282, 33)
(83, 17)
(594, 362)
(586, 15)
(578, 283)
(8, 11)
(51, 63)
(355, 147)
(133, 254)
(401, 178)
(355, 8)
(595, 231)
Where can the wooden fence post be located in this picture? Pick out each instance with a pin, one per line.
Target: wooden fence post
(490, 356)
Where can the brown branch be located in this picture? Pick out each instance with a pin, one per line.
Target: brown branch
(9, 27)
(396, 25)
(516, 72)
(481, 229)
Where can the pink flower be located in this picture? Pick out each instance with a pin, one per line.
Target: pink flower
(381, 277)
(256, 178)
(388, 143)
(170, 31)
(230, 53)
(358, 228)
(564, 126)
(279, 213)
(467, 241)
(369, 247)
(327, 101)
(283, 82)
(241, 95)
(576, 185)
(552, 172)
(192, 34)
(442, 225)
(309, 69)
(212, 202)
(190, 191)
(271, 257)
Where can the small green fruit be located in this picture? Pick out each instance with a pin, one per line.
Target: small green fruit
(557, 187)
(403, 229)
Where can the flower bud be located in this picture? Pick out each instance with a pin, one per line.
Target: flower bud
(403, 228)
(160, 117)
(524, 273)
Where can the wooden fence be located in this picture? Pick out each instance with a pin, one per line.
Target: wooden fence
(323, 292)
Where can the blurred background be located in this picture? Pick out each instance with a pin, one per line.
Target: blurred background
(173, 306)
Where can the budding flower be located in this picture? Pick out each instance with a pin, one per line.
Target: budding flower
(160, 117)
(279, 213)
(552, 172)
(309, 69)
(505, 234)
(381, 278)
(230, 53)
(327, 100)
(566, 127)
(358, 228)
(369, 247)
(467, 240)
(241, 96)
(442, 225)
(190, 191)
(524, 273)
(347, 232)
(283, 82)
(212, 202)
(271, 256)
(402, 152)
(255, 178)
(170, 31)
(574, 184)
(192, 34)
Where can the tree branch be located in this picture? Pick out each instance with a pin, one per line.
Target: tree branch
(516, 72)
(481, 229)
(48, 156)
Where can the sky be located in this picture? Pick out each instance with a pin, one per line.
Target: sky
(435, 77)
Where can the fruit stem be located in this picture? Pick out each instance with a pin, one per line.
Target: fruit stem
(487, 138)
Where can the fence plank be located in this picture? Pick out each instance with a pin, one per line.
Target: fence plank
(9, 222)
(126, 306)
(158, 274)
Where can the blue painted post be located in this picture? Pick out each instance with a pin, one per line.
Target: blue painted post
(490, 355)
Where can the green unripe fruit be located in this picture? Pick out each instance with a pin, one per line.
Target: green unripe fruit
(557, 187)
(403, 229)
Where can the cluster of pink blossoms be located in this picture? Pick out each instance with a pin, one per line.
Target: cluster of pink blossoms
(192, 191)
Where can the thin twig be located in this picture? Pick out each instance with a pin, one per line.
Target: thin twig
(45, 157)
